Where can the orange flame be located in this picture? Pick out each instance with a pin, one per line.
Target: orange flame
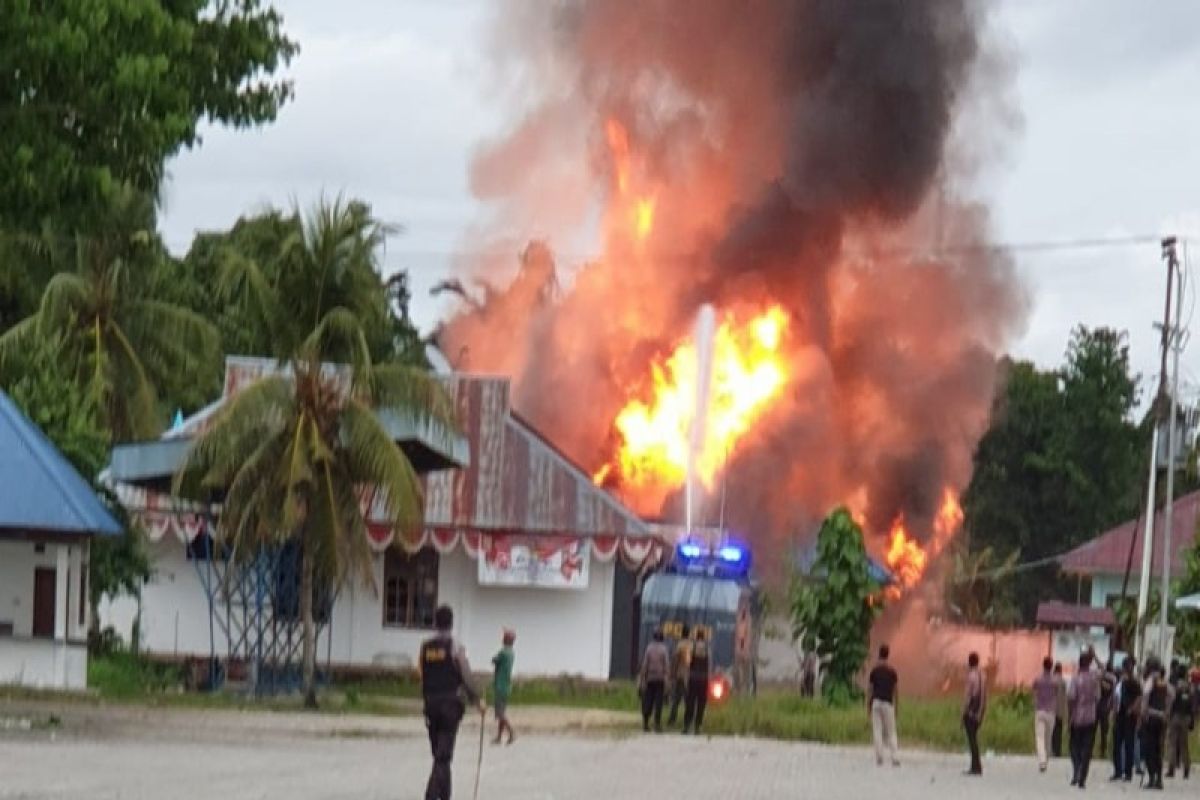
(618, 144)
(907, 559)
(748, 371)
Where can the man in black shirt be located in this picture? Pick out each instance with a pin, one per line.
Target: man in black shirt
(1180, 724)
(1125, 722)
(697, 687)
(445, 676)
(881, 704)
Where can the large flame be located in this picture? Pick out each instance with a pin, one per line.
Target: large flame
(748, 371)
(907, 558)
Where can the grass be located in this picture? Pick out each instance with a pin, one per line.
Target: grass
(924, 723)
(933, 724)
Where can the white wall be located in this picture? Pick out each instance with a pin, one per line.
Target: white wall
(558, 631)
(43, 663)
(1104, 586)
(174, 608)
(18, 560)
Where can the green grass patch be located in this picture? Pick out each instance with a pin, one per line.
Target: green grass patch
(124, 676)
(933, 724)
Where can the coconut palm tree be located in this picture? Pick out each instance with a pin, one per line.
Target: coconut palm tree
(290, 453)
(117, 341)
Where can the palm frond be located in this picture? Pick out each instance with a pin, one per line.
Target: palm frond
(339, 337)
(261, 410)
(180, 340)
(374, 459)
(128, 393)
(17, 340)
(412, 392)
(64, 300)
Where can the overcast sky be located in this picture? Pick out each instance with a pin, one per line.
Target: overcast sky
(390, 104)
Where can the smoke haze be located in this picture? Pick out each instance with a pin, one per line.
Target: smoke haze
(813, 154)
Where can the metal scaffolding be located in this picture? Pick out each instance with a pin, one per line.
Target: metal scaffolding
(254, 612)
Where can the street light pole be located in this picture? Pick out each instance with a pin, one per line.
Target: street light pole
(1177, 342)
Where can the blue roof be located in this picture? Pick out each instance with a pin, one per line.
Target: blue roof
(41, 491)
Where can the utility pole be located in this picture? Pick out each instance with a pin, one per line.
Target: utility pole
(1157, 414)
(1177, 342)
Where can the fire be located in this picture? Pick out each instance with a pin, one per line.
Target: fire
(618, 144)
(644, 217)
(906, 558)
(748, 372)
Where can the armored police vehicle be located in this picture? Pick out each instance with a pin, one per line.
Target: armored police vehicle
(708, 587)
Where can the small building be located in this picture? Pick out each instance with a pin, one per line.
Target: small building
(516, 536)
(1105, 560)
(48, 515)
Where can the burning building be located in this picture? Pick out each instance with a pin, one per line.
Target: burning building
(806, 168)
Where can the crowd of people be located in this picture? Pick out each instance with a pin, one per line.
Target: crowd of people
(1151, 713)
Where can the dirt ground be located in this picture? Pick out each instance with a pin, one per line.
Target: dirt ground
(103, 753)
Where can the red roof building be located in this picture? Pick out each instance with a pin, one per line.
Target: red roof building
(1104, 560)
(1108, 554)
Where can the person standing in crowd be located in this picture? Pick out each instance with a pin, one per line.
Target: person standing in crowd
(1083, 697)
(974, 709)
(1183, 720)
(1156, 700)
(681, 661)
(1128, 696)
(1060, 710)
(882, 701)
(652, 681)
(445, 677)
(502, 663)
(1104, 710)
(697, 688)
(1045, 703)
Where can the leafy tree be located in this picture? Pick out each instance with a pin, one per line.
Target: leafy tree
(115, 339)
(98, 93)
(833, 614)
(67, 415)
(289, 452)
(233, 278)
(1060, 463)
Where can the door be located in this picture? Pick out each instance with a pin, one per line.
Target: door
(44, 588)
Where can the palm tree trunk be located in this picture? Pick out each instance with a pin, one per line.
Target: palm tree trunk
(309, 652)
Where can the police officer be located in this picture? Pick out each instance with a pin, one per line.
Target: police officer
(697, 688)
(681, 661)
(1155, 703)
(445, 677)
(1183, 717)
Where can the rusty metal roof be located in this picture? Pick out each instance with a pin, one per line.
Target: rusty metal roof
(1055, 614)
(1108, 553)
(516, 480)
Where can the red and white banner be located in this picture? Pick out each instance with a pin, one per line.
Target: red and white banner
(541, 561)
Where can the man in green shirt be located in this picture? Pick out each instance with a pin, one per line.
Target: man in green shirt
(502, 686)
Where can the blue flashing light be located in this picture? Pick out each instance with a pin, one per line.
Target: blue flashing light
(690, 550)
(731, 554)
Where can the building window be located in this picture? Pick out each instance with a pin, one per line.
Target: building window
(410, 586)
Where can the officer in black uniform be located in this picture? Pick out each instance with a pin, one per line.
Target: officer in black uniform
(697, 688)
(1181, 723)
(445, 678)
(1155, 703)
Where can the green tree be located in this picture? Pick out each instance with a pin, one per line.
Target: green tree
(289, 452)
(1061, 462)
(98, 93)
(51, 398)
(233, 278)
(979, 590)
(115, 339)
(833, 609)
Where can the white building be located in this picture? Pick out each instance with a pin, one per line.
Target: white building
(48, 514)
(516, 536)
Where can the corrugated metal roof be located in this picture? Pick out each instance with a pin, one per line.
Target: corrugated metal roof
(516, 480)
(41, 491)
(1108, 553)
(1055, 614)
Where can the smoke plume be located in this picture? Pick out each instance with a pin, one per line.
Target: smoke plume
(809, 154)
